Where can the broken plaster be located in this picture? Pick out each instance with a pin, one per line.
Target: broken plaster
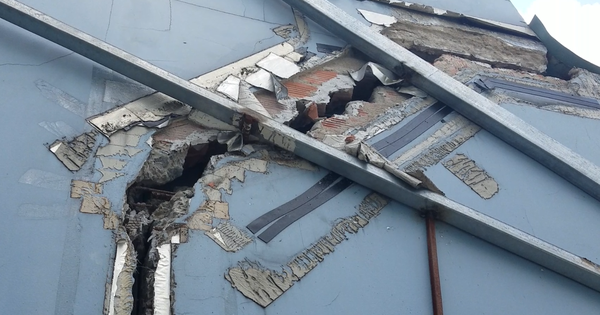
(472, 175)
(264, 286)
(73, 154)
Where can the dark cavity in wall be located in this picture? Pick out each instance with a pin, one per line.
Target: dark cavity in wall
(310, 112)
(152, 207)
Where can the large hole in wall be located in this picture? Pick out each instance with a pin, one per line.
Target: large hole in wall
(168, 176)
(310, 112)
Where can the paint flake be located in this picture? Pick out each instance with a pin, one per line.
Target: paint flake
(279, 66)
(229, 237)
(472, 175)
(80, 188)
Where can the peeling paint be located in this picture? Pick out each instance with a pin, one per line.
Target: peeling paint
(73, 154)
(111, 163)
(112, 150)
(80, 188)
(261, 285)
(109, 175)
(377, 18)
(264, 286)
(200, 221)
(469, 173)
(229, 237)
(289, 159)
(453, 133)
(121, 296)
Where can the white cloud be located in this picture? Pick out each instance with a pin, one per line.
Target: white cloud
(574, 24)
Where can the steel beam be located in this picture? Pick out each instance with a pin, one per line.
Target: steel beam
(469, 220)
(487, 114)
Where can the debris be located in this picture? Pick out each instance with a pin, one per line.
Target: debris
(328, 49)
(248, 100)
(212, 79)
(121, 296)
(279, 66)
(385, 76)
(469, 173)
(411, 90)
(73, 154)
(230, 87)
(294, 57)
(164, 164)
(377, 18)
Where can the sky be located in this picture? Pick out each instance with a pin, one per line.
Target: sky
(574, 23)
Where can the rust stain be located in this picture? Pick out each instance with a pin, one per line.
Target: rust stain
(590, 263)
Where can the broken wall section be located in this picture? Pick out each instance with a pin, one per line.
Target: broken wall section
(431, 36)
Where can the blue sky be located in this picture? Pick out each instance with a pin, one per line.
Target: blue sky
(575, 23)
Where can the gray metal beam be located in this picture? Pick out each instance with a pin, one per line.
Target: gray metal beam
(469, 220)
(487, 114)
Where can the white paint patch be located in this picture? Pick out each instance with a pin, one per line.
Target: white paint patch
(162, 281)
(120, 255)
(230, 87)
(278, 66)
(377, 18)
(248, 100)
(111, 150)
(46, 180)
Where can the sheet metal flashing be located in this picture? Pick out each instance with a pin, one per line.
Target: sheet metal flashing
(495, 232)
(559, 51)
(506, 126)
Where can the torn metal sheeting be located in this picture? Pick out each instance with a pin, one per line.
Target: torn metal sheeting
(261, 79)
(212, 79)
(278, 66)
(433, 82)
(233, 139)
(230, 87)
(385, 76)
(151, 111)
(248, 100)
(377, 18)
(267, 81)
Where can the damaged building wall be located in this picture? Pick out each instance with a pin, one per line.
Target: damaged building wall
(433, 36)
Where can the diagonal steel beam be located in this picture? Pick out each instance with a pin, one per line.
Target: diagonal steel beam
(487, 114)
(498, 233)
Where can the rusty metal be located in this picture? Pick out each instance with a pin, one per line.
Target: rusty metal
(434, 272)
